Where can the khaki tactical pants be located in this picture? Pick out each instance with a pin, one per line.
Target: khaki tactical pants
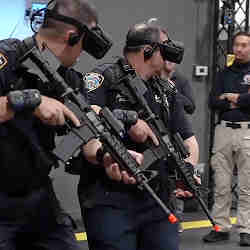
(231, 148)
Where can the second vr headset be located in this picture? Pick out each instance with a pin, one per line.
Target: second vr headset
(172, 51)
(96, 42)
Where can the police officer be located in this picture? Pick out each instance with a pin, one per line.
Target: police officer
(30, 215)
(230, 98)
(117, 215)
(186, 96)
(182, 84)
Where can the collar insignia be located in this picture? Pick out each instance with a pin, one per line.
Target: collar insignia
(157, 99)
(246, 79)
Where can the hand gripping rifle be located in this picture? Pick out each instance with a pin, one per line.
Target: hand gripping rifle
(104, 126)
(172, 148)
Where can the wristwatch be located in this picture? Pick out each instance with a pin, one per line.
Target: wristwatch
(24, 100)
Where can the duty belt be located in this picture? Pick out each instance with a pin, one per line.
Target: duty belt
(235, 125)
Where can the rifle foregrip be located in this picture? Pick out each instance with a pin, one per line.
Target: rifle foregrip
(120, 153)
(187, 171)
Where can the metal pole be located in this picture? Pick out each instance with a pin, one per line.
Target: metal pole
(230, 19)
(247, 16)
(212, 113)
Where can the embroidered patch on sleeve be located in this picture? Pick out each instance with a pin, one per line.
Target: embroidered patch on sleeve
(93, 81)
(3, 60)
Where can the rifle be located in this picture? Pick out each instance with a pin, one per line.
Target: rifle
(104, 126)
(171, 148)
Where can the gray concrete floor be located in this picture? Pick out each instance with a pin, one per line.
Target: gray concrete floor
(191, 240)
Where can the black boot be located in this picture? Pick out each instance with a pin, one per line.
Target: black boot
(214, 236)
(244, 239)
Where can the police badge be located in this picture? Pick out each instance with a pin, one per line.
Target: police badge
(93, 81)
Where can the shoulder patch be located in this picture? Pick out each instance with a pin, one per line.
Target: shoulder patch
(3, 60)
(93, 81)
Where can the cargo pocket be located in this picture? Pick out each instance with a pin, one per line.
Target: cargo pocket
(222, 137)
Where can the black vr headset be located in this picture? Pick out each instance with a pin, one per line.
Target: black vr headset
(172, 51)
(95, 42)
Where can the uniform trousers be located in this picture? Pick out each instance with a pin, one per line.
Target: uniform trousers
(31, 222)
(231, 148)
(133, 224)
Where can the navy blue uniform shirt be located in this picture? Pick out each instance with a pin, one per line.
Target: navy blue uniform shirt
(100, 84)
(25, 138)
(185, 92)
(100, 93)
(234, 79)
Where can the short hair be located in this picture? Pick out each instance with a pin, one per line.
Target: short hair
(241, 33)
(81, 10)
(140, 35)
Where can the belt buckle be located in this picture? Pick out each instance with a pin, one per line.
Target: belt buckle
(233, 125)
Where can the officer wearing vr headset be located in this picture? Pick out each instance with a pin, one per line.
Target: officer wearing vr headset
(127, 217)
(30, 214)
